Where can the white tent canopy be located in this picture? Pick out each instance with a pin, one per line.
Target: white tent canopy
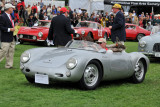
(89, 5)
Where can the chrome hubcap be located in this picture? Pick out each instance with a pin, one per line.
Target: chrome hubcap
(139, 70)
(91, 75)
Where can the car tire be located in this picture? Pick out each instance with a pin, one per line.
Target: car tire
(92, 76)
(46, 43)
(29, 79)
(140, 72)
(139, 36)
(90, 35)
(21, 42)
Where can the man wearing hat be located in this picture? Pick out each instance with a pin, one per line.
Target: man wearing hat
(60, 29)
(7, 41)
(118, 27)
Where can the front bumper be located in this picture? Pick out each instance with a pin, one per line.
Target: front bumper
(151, 54)
(54, 74)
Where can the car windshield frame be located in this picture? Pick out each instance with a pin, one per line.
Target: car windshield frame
(83, 45)
(37, 24)
(87, 24)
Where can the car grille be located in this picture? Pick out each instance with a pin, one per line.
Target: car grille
(28, 37)
(156, 47)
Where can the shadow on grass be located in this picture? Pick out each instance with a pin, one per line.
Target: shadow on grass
(154, 60)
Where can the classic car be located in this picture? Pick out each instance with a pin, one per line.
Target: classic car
(150, 45)
(37, 33)
(89, 28)
(83, 62)
(133, 32)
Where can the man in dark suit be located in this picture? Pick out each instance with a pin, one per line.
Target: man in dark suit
(7, 41)
(118, 27)
(60, 30)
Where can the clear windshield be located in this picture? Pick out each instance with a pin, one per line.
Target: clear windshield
(85, 45)
(42, 24)
(87, 24)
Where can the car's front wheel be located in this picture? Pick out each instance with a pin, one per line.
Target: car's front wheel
(139, 74)
(46, 43)
(139, 36)
(92, 76)
(29, 79)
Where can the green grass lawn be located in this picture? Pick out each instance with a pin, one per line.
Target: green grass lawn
(15, 91)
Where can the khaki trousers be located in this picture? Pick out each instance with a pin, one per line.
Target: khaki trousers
(7, 50)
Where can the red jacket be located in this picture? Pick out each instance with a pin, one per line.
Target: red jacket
(23, 4)
(19, 6)
(16, 16)
(34, 7)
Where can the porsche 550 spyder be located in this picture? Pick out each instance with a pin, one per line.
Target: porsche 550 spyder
(83, 62)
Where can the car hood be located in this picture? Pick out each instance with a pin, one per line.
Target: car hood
(154, 38)
(79, 29)
(32, 30)
(55, 58)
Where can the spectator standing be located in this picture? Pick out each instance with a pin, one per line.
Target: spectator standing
(118, 27)
(45, 16)
(74, 21)
(97, 19)
(141, 21)
(92, 18)
(103, 21)
(61, 29)
(25, 16)
(85, 18)
(41, 16)
(41, 4)
(34, 8)
(54, 9)
(38, 8)
(49, 11)
(31, 20)
(7, 41)
(29, 9)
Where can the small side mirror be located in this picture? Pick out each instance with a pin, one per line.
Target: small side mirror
(102, 51)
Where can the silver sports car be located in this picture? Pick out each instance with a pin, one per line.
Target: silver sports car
(150, 45)
(83, 62)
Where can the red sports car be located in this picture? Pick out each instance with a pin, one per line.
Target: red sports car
(37, 33)
(89, 28)
(133, 32)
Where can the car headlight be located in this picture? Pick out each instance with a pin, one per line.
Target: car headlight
(20, 36)
(25, 57)
(142, 44)
(83, 32)
(40, 34)
(71, 63)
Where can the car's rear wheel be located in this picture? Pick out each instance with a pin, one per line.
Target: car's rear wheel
(139, 74)
(29, 79)
(92, 76)
(139, 36)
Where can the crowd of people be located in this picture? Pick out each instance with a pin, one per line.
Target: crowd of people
(28, 15)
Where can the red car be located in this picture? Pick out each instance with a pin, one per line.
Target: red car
(37, 33)
(89, 28)
(133, 32)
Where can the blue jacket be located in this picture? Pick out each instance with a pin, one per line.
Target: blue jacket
(5, 23)
(118, 28)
